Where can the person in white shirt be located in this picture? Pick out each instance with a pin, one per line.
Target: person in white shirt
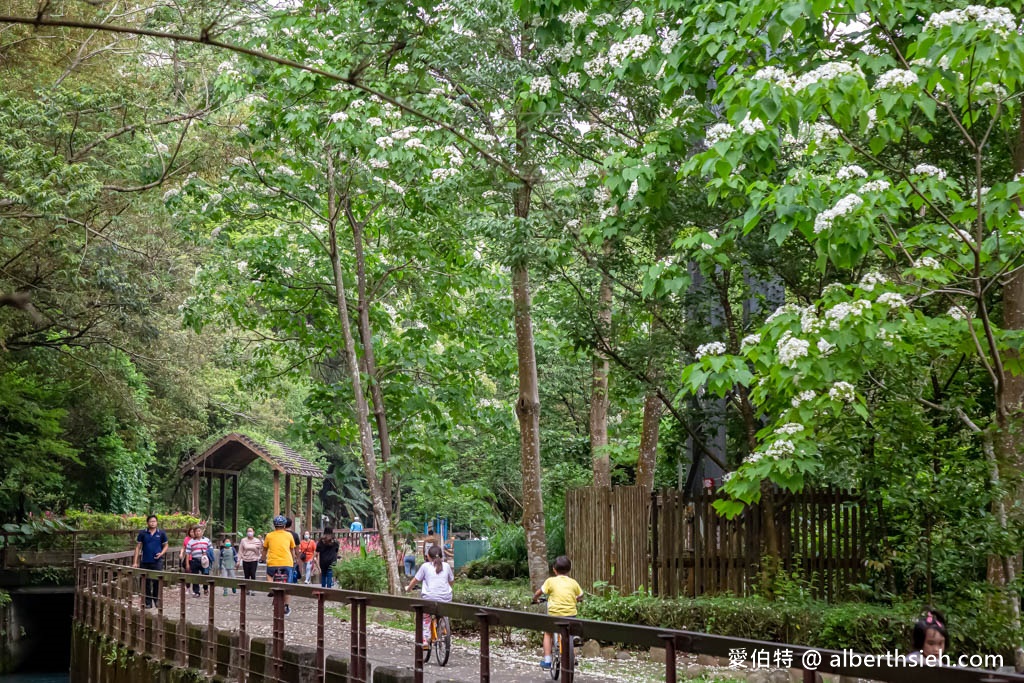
(437, 578)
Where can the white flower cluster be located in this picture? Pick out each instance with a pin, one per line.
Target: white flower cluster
(404, 133)
(718, 132)
(379, 163)
(791, 349)
(956, 313)
(892, 299)
(541, 85)
(669, 42)
(803, 397)
(885, 336)
(868, 282)
(634, 188)
(851, 171)
(385, 141)
(843, 310)
(396, 187)
(824, 131)
(374, 121)
(596, 66)
(171, 194)
(442, 173)
(783, 448)
(988, 90)
(414, 143)
(749, 126)
(997, 19)
(880, 185)
(750, 340)
(633, 47)
(927, 262)
(790, 428)
(602, 20)
(572, 79)
(928, 170)
(842, 391)
(574, 18)
(785, 309)
(285, 170)
(896, 78)
(827, 72)
(825, 347)
(339, 117)
(401, 68)
(634, 16)
(843, 207)
(161, 148)
(833, 288)
(710, 349)
(809, 320)
(774, 74)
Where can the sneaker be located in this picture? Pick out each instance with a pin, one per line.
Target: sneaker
(545, 664)
(287, 610)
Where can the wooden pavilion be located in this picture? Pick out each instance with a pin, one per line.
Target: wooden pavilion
(234, 452)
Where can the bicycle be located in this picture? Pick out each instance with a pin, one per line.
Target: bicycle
(556, 649)
(440, 640)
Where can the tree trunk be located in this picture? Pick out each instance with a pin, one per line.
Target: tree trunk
(381, 510)
(599, 386)
(369, 359)
(647, 458)
(528, 408)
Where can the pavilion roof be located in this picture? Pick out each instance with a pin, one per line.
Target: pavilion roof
(234, 452)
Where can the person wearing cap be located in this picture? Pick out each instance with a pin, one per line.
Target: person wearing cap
(356, 525)
(279, 552)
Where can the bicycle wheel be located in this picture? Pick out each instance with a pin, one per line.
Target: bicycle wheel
(556, 652)
(430, 639)
(443, 644)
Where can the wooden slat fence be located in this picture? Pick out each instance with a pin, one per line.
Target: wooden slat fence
(607, 536)
(678, 545)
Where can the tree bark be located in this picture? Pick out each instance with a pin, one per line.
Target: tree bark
(369, 358)
(599, 388)
(647, 458)
(381, 510)
(528, 405)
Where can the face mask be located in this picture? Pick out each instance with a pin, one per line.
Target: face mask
(250, 534)
(306, 537)
(227, 544)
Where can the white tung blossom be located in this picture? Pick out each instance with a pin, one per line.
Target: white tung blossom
(842, 391)
(892, 299)
(749, 126)
(575, 18)
(880, 185)
(791, 349)
(843, 207)
(896, 79)
(633, 47)
(783, 448)
(774, 74)
(789, 429)
(339, 117)
(825, 347)
(596, 66)
(927, 262)
(379, 163)
(385, 142)
(541, 85)
(785, 309)
(809, 320)
(442, 173)
(401, 68)
(997, 19)
(827, 72)
(572, 79)
(870, 279)
(851, 171)
(956, 313)
(374, 121)
(928, 170)
(718, 132)
(803, 397)
(414, 143)
(634, 16)
(710, 349)
(669, 42)
(750, 340)
(845, 309)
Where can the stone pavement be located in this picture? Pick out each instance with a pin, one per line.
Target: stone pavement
(389, 646)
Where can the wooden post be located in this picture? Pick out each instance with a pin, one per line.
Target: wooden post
(234, 510)
(209, 498)
(277, 493)
(287, 495)
(309, 505)
(223, 503)
(195, 492)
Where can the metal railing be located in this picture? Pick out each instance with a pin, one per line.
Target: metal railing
(110, 597)
(60, 548)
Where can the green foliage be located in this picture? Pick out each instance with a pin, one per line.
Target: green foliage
(363, 572)
(81, 519)
(497, 568)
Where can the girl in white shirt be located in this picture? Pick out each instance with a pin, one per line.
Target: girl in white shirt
(437, 578)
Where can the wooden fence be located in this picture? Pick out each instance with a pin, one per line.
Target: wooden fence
(678, 545)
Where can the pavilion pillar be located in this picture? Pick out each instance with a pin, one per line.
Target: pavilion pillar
(287, 495)
(277, 493)
(309, 504)
(195, 492)
(209, 496)
(223, 502)
(234, 499)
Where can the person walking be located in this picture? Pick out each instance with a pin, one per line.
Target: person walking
(307, 549)
(410, 558)
(279, 551)
(356, 525)
(228, 561)
(150, 547)
(250, 548)
(294, 576)
(326, 556)
(199, 551)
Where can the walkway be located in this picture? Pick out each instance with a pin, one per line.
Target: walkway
(391, 646)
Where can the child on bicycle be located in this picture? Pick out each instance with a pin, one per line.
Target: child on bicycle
(437, 578)
(563, 593)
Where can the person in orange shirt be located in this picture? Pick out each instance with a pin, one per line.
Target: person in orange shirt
(307, 549)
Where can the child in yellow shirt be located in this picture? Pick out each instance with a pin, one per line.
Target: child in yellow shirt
(563, 593)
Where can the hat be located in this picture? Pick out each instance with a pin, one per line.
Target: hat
(280, 521)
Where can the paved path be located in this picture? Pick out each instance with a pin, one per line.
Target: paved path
(516, 663)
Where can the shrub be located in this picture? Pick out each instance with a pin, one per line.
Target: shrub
(508, 543)
(79, 519)
(363, 572)
(485, 567)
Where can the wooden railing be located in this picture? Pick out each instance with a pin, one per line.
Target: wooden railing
(62, 548)
(110, 599)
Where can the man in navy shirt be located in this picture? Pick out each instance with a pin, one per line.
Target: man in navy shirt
(152, 544)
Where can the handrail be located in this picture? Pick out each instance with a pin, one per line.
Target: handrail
(670, 639)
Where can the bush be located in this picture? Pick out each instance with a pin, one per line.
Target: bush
(977, 628)
(363, 572)
(486, 567)
(79, 519)
(508, 543)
